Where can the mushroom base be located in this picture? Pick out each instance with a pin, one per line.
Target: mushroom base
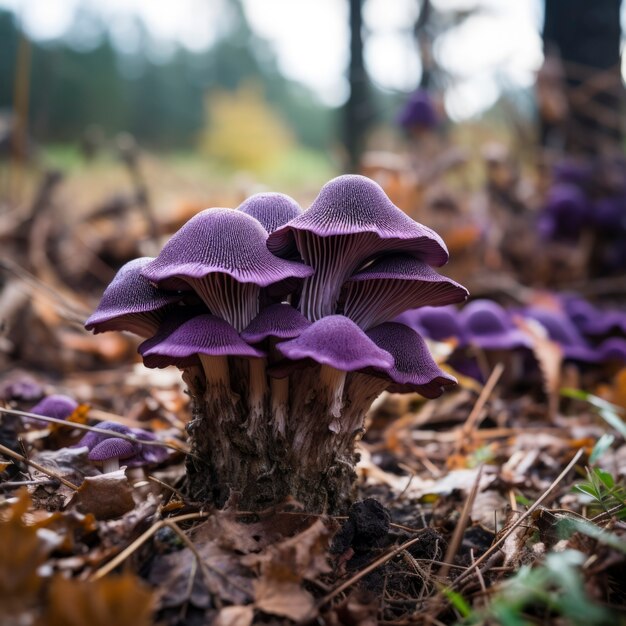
(254, 470)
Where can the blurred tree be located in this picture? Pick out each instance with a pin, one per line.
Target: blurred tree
(243, 131)
(82, 79)
(357, 111)
(582, 47)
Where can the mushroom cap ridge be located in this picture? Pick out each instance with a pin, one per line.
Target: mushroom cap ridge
(128, 293)
(224, 241)
(352, 204)
(271, 209)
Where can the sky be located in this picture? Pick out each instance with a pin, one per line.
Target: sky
(500, 45)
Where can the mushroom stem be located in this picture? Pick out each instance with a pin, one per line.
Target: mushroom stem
(216, 371)
(257, 388)
(332, 382)
(279, 388)
(110, 465)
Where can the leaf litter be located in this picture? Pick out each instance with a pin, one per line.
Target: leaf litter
(487, 505)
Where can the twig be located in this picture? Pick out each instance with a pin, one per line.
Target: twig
(41, 468)
(364, 572)
(135, 545)
(517, 523)
(457, 537)
(93, 429)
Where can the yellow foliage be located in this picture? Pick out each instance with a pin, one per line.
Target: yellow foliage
(243, 131)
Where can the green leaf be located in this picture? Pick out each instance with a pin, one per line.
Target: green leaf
(613, 420)
(458, 602)
(570, 525)
(602, 445)
(605, 477)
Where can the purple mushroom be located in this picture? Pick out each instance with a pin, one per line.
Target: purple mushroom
(104, 447)
(211, 340)
(351, 221)
(413, 367)
(436, 323)
(564, 214)
(613, 350)
(340, 346)
(131, 303)
(221, 254)
(57, 406)
(419, 112)
(561, 330)
(110, 451)
(591, 320)
(394, 284)
(489, 327)
(272, 210)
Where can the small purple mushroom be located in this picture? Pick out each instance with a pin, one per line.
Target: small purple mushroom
(57, 406)
(564, 214)
(613, 350)
(110, 451)
(489, 327)
(340, 346)
(413, 367)
(591, 320)
(561, 330)
(351, 221)
(221, 254)
(419, 112)
(436, 323)
(394, 284)
(272, 210)
(131, 303)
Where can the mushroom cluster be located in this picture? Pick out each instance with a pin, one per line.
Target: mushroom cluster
(281, 322)
(585, 333)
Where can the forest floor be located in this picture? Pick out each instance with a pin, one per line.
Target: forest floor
(501, 502)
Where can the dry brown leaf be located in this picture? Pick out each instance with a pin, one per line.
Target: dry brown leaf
(119, 601)
(22, 551)
(181, 579)
(235, 616)
(105, 496)
(283, 597)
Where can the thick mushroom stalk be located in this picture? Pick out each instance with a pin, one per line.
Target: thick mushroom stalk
(292, 341)
(339, 346)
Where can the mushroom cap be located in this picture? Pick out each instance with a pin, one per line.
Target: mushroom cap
(222, 241)
(338, 342)
(350, 205)
(590, 320)
(146, 453)
(413, 368)
(393, 284)
(564, 213)
(129, 294)
(613, 349)
(272, 210)
(561, 330)
(436, 323)
(112, 448)
(203, 334)
(277, 320)
(92, 439)
(57, 406)
(419, 111)
(489, 326)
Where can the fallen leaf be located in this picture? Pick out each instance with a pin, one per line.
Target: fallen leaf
(105, 496)
(235, 616)
(119, 601)
(283, 597)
